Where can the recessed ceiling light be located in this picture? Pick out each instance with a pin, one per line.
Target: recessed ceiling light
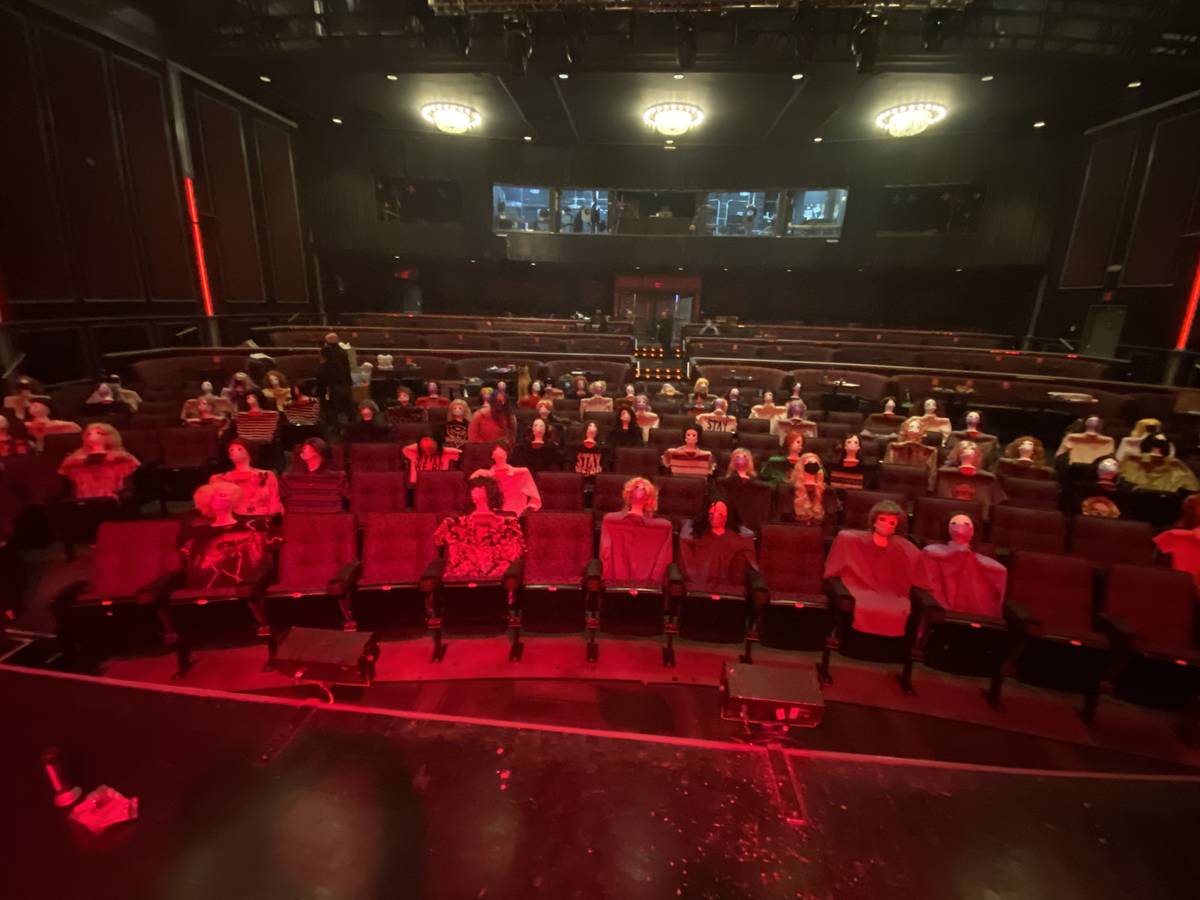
(392, 77)
(797, 76)
(472, 260)
(336, 120)
(669, 141)
(988, 78)
(669, 147)
(395, 257)
(1134, 84)
(787, 270)
(910, 119)
(673, 119)
(563, 75)
(637, 268)
(958, 269)
(533, 264)
(1039, 124)
(679, 269)
(724, 268)
(678, 76)
(529, 137)
(265, 79)
(818, 140)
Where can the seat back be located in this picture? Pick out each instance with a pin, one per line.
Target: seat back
(475, 456)
(372, 457)
(857, 508)
(409, 432)
(835, 430)
(314, 549)
(560, 490)
(142, 443)
(717, 440)
(397, 547)
(189, 446)
(912, 482)
(560, 546)
(758, 441)
(853, 419)
(606, 494)
(1055, 590)
(642, 461)
(1112, 540)
(377, 492)
(443, 493)
(1157, 604)
(931, 517)
(1032, 493)
(792, 559)
(680, 498)
(60, 446)
(129, 555)
(1018, 528)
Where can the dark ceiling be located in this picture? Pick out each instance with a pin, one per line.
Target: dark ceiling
(1064, 62)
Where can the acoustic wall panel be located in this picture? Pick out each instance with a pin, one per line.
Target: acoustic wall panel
(33, 253)
(226, 178)
(1099, 212)
(156, 188)
(284, 238)
(93, 184)
(1166, 203)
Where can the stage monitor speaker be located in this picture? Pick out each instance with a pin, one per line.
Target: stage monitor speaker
(771, 695)
(326, 657)
(1102, 330)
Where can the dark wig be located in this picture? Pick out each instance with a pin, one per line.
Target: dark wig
(494, 496)
(700, 524)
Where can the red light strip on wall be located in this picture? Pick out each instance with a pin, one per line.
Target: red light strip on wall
(1189, 317)
(198, 242)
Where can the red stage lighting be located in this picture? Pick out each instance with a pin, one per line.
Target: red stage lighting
(198, 242)
(1185, 330)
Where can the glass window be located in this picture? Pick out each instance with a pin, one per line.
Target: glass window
(520, 208)
(746, 213)
(818, 213)
(582, 211)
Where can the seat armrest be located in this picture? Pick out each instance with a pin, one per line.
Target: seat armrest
(1118, 631)
(346, 578)
(431, 578)
(840, 597)
(593, 576)
(160, 588)
(1019, 619)
(67, 596)
(673, 585)
(925, 606)
(514, 575)
(756, 587)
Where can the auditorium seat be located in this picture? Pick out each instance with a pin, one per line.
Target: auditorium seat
(606, 494)
(442, 493)
(397, 551)
(680, 498)
(121, 605)
(853, 419)
(1049, 611)
(318, 561)
(189, 456)
(1032, 493)
(856, 509)
(475, 456)
(643, 461)
(58, 447)
(376, 457)
(604, 420)
(403, 433)
(931, 518)
(759, 441)
(374, 492)
(1150, 614)
(1017, 528)
(912, 482)
(718, 440)
(1107, 541)
(562, 574)
(561, 491)
(835, 430)
(754, 426)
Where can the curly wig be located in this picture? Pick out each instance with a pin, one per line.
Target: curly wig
(204, 495)
(495, 498)
(651, 494)
(751, 471)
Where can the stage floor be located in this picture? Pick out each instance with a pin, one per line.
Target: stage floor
(272, 798)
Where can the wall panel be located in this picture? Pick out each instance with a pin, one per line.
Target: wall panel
(33, 253)
(284, 239)
(1099, 213)
(226, 182)
(155, 186)
(89, 168)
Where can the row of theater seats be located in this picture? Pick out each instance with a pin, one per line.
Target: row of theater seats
(1078, 621)
(520, 342)
(781, 331)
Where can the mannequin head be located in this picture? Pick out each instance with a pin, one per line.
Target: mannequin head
(691, 437)
(889, 406)
(331, 338)
(544, 409)
(1092, 424)
(217, 501)
(252, 403)
(793, 444)
(240, 383)
(368, 411)
(432, 389)
(1143, 427)
(796, 388)
(276, 379)
(1107, 470)
(796, 409)
(104, 392)
(429, 446)
(974, 420)
(808, 470)
(403, 397)
(630, 391)
(930, 407)
(701, 388)
(1025, 450)
(239, 454)
(912, 430)
(721, 406)
(485, 494)
(457, 411)
(741, 463)
(27, 386)
(641, 403)
(624, 418)
(768, 398)
(885, 519)
(579, 386)
(206, 389)
(718, 516)
(100, 437)
(640, 494)
(314, 453)
(499, 456)
(537, 431)
(734, 395)
(537, 388)
(485, 396)
(851, 447)
(967, 455)
(591, 432)
(1028, 448)
(961, 528)
(204, 408)
(597, 388)
(500, 406)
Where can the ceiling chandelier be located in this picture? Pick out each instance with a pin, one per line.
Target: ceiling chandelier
(451, 118)
(673, 119)
(910, 119)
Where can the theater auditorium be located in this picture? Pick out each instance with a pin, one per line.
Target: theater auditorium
(599, 449)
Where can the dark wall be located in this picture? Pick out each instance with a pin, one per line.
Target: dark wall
(906, 279)
(1134, 236)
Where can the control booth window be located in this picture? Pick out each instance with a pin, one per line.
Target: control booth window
(520, 208)
(818, 213)
(582, 211)
(745, 213)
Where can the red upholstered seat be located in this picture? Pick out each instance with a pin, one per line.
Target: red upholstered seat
(409, 432)
(931, 518)
(145, 444)
(376, 457)
(858, 504)
(717, 440)
(606, 494)
(910, 481)
(1155, 608)
(791, 559)
(397, 548)
(130, 555)
(1056, 591)
(443, 493)
(1032, 493)
(1018, 528)
(189, 447)
(475, 456)
(377, 492)
(315, 549)
(758, 440)
(835, 430)
(853, 419)
(680, 498)
(642, 461)
(561, 544)
(560, 490)
(59, 446)
(1108, 541)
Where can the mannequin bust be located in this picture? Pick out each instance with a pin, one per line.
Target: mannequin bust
(911, 450)
(733, 403)
(255, 423)
(276, 390)
(625, 433)
(931, 421)
(885, 422)
(767, 409)
(101, 467)
(433, 397)
(1182, 543)
(960, 579)
(483, 542)
(25, 391)
(579, 388)
(851, 471)
(1154, 470)
(793, 419)
(809, 503)
(531, 399)
(596, 401)
(258, 488)
(517, 487)
(313, 485)
(455, 430)
(778, 469)
(699, 400)
(428, 455)
(715, 552)
(1131, 444)
(590, 458)
(879, 570)
(403, 410)
(39, 424)
(636, 544)
(963, 479)
(645, 417)
(1087, 446)
(741, 465)
(1025, 457)
(719, 419)
(972, 430)
(537, 451)
(689, 459)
